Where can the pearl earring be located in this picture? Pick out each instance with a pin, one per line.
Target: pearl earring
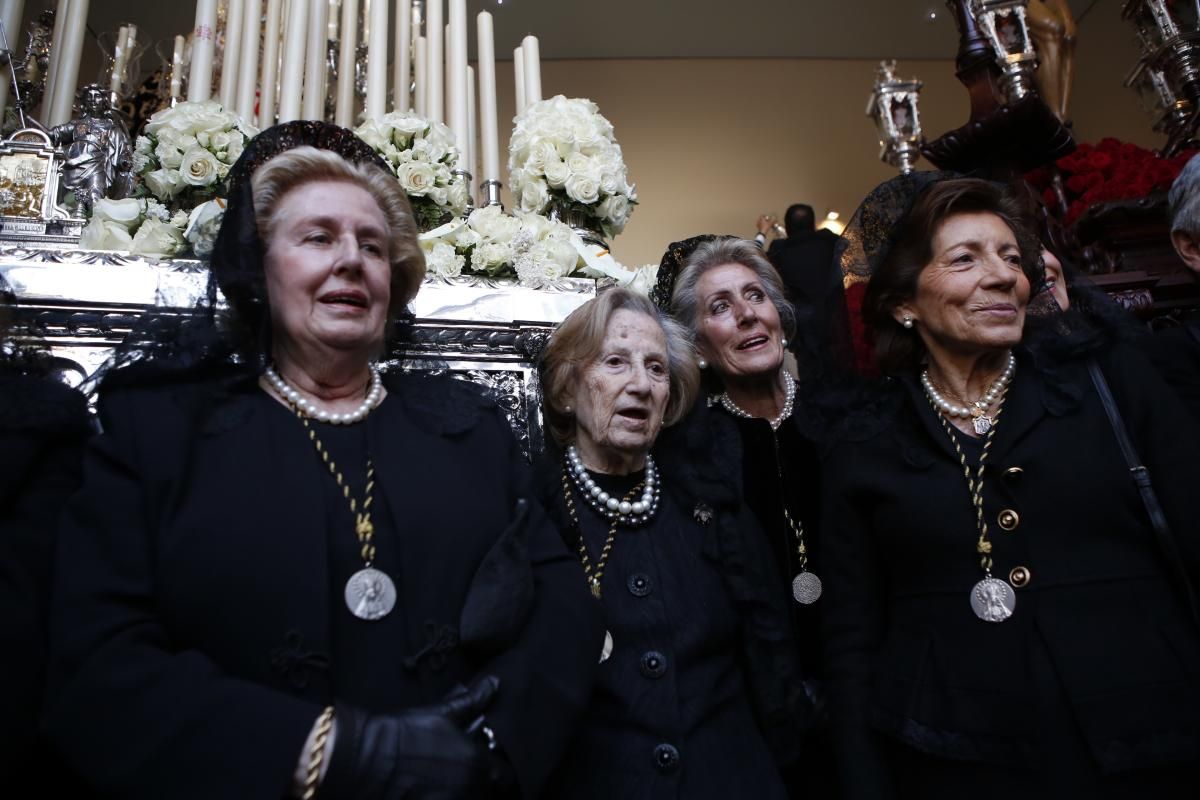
(783, 343)
(908, 322)
(702, 364)
(567, 409)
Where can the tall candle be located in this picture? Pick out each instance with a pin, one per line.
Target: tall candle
(420, 78)
(204, 39)
(533, 70)
(347, 55)
(471, 166)
(247, 95)
(10, 18)
(489, 144)
(433, 57)
(232, 55)
(119, 57)
(72, 42)
(377, 54)
(270, 68)
(519, 78)
(314, 61)
(457, 68)
(52, 69)
(177, 67)
(334, 10)
(402, 66)
(291, 74)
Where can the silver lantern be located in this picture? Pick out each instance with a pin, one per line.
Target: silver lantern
(893, 106)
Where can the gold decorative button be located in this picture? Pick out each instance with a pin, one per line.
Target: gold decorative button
(1008, 519)
(1012, 473)
(1019, 577)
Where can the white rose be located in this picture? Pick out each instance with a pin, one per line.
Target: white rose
(541, 155)
(611, 183)
(220, 140)
(579, 164)
(557, 173)
(536, 267)
(535, 196)
(163, 183)
(492, 224)
(583, 189)
(562, 253)
(202, 226)
(157, 238)
(200, 168)
(168, 156)
(457, 197)
(443, 261)
(373, 133)
(440, 196)
(489, 256)
(644, 279)
(125, 213)
(408, 124)
(105, 235)
(416, 177)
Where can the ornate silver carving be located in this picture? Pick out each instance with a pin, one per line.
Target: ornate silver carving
(99, 155)
(30, 170)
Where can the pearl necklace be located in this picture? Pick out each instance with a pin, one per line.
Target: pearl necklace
(977, 410)
(627, 513)
(310, 409)
(789, 400)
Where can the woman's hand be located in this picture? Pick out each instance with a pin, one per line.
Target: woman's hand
(418, 753)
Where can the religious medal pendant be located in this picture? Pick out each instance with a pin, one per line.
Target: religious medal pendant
(806, 588)
(370, 594)
(596, 588)
(993, 600)
(981, 421)
(606, 651)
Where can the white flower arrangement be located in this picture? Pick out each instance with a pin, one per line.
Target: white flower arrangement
(490, 242)
(135, 224)
(563, 153)
(423, 155)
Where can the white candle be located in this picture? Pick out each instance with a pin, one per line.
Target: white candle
(314, 62)
(533, 70)
(433, 56)
(488, 128)
(10, 18)
(119, 58)
(72, 42)
(291, 74)
(347, 52)
(470, 165)
(447, 84)
(334, 11)
(247, 96)
(457, 68)
(420, 66)
(401, 67)
(177, 67)
(270, 66)
(52, 69)
(232, 55)
(519, 78)
(203, 41)
(377, 54)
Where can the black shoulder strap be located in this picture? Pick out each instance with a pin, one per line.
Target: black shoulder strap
(1141, 477)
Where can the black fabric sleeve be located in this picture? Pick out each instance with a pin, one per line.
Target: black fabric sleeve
(136, 717)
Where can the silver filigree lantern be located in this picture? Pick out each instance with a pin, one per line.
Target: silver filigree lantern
(1167, 75)
(1004, 24)
(894, 108)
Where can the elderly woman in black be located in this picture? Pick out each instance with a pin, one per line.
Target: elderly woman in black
(696, 675)
(1002, 614)
(269, 584)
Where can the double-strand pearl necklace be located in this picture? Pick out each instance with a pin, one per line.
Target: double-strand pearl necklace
(978, 409)
(789, 400)
(637, 512)
(310, 409)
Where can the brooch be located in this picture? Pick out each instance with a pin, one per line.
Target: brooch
(702, 513)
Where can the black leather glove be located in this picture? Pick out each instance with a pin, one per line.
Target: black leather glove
(418, 754)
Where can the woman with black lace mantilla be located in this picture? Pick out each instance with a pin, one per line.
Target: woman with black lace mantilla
(269, 584)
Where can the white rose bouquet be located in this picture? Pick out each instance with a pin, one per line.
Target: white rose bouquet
(423, 155)
(563, 154)
(136, 224)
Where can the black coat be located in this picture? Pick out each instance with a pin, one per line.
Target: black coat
(1176, 353)
(195, 612)
(813, 279)
(43, 429)
(637, 710)
(1100, 661)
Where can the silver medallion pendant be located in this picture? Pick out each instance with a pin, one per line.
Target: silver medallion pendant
(982, 425)
(606, 651)
(806, 588)
(993, 600)
(370, 594)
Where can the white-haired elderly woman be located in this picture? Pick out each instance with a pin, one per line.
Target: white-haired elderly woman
(758, 423)
(695, 687)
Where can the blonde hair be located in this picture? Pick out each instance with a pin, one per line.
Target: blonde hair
(303, 165)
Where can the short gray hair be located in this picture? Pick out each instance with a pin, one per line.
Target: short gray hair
(1184, 198)
(577, 342)
(685, 303)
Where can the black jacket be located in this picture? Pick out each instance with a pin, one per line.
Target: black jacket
(1176, 353)
(909, 662)
(193, 619)
(43, 428)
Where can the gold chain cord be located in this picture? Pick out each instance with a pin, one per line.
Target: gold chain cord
(975, 484)
(316, 756)
(594, 579)
(798, 531)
